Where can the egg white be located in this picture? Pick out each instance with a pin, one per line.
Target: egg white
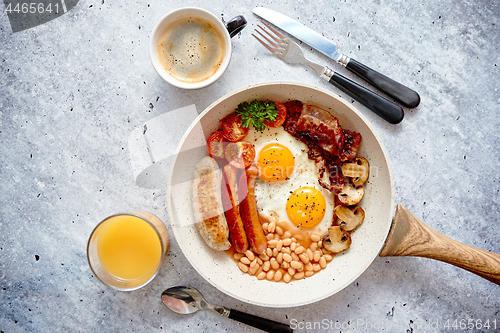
(272, 196)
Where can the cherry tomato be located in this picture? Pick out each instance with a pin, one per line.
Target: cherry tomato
(233, 131)
(240, 154)
(216, 144)
(280, 119)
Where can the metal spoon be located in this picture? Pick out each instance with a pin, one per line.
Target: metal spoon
(185, 300)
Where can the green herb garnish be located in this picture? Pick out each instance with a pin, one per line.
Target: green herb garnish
(255, 112)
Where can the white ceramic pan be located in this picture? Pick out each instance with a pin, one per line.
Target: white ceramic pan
(379, 234)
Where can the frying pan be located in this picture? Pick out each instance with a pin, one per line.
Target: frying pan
(379, 234)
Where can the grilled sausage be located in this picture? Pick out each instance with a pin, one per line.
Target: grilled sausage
(207, 204)
(231, 206)
(248, 210)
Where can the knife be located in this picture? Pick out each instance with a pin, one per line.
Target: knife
(401, 93)
(290, 52)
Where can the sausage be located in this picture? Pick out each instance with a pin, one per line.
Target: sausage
(207, 204)
(232, 209)
(248, 206)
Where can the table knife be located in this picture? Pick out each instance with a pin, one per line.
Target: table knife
(401, 93)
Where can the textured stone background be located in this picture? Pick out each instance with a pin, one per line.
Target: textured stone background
(73, 89)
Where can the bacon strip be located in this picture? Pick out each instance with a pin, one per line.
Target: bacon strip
(323, 128)
(329, 144)
(352, 141)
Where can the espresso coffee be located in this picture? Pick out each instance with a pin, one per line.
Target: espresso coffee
(191, 49)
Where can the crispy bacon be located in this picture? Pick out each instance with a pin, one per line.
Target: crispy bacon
(326, 162)
(322, 128)
(293, 110)
(329, 144)
(352, 141)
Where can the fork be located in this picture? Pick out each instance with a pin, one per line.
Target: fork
(292, 53)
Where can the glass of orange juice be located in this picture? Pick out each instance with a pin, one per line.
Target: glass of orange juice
(125, 251)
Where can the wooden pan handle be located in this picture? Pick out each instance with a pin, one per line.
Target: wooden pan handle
(410, 237)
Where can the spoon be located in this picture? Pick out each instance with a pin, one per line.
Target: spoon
(186, 300)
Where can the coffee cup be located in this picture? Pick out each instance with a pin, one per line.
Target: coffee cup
(190, 48)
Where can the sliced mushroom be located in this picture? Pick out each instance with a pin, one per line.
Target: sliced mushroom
(349, 219)
(336, 240)
(350, 195)
(358, 170)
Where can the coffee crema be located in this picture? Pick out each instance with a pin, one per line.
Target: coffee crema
(191, 49)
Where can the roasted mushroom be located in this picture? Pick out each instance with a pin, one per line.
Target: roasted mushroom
(350, 195)
(336, 240)
(357, 170)
(349, 219)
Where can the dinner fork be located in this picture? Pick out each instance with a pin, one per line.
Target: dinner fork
(292, 53)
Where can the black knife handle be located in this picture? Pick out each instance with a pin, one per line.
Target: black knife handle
(266, 325)
(388, 110)
(403, 94)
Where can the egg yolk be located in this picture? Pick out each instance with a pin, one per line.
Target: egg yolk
(275, 162)
(306, 207)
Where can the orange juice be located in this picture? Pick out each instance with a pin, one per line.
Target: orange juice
(129, 248)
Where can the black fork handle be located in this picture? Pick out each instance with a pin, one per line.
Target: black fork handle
(386, 109)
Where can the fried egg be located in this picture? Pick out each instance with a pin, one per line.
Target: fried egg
(288, 184)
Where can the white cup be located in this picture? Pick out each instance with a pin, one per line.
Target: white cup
(190, 48)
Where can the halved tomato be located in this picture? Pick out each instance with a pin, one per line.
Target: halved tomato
(240, 154)
(280, 119)
(233, 131)
(216, 144)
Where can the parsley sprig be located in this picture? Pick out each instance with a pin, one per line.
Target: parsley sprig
(255, 112)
